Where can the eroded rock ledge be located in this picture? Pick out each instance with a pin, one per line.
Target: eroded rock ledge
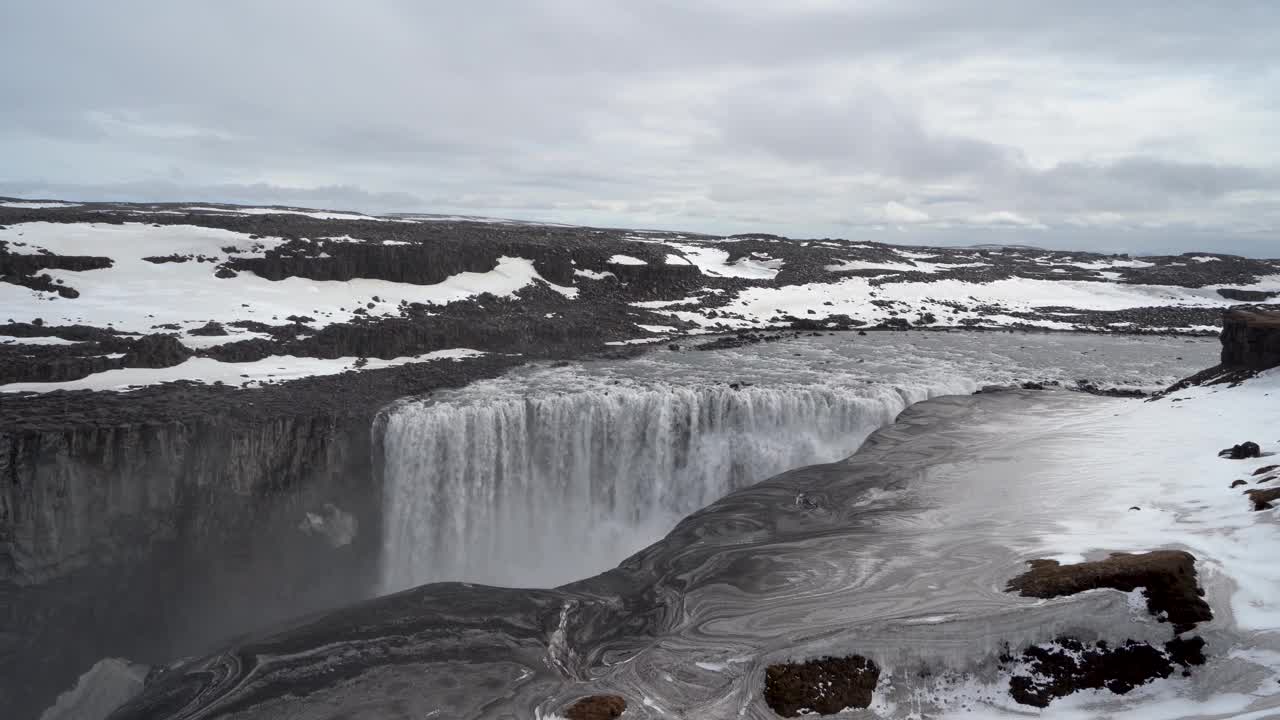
(1168, 578)
(1251, 339)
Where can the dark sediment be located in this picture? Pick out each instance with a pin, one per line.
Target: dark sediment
(1168, 576)
(824, 686)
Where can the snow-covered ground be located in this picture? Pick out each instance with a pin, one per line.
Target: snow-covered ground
(317, 214)
(853, 296)
(1145, 476)
(30, 205)
(277, 368)
(136, 296)
(685, 285)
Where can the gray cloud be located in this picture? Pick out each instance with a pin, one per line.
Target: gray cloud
(1088, 123)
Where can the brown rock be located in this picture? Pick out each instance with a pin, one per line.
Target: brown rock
(1265, 470)
(824, 686)
(1168, 576)
(1262, 498)
(596, 707)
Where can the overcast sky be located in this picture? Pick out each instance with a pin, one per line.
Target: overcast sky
(1125, 125)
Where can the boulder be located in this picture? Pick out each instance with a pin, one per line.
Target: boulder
(1243, 451)
(156, 351)
(596, 707)
(824, 686)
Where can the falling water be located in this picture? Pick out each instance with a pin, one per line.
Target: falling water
(540, 491)
(553, 475)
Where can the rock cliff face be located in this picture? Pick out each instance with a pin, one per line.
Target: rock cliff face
(1251, 339)
(193, 529)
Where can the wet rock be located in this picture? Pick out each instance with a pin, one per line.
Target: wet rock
(156, 351)
(596, 707)
(1167, 576)
(824, 686)
(1263, 499)
(1186, 652)
(1243, 451)
(1067, 666)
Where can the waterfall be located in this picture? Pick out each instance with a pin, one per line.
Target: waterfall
(538, 491)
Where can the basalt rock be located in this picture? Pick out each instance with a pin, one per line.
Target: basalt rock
(1243, 451)
(1246, 295)
(824, 686)
(156, 351)
(597, 707)
(1067, 666)
(210, 329)
(1251, 339)
(1167, 576)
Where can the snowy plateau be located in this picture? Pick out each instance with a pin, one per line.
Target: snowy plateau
(282, 462)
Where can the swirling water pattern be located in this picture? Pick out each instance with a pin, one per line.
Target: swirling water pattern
(899, 553)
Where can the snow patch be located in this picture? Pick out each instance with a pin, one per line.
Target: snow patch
(277, 368)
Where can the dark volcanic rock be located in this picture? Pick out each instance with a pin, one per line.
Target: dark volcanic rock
(211, 328)
(1246, 295)
(596, 707)
(1168, 576)
(1186, 652)
(1238, 483)
(1068, 665)
(1243, 451)
(156, 351)
(1251, 339)
(1265, 470)
(824, 686)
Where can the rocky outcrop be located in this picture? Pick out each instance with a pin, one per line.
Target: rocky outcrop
(1067, 666)
(1247, 295)
(825, 686)
(156, 351)
(1251, 339)
(597, 707)
(1168, 579)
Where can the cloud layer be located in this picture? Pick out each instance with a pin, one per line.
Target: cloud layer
(1134, 126)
